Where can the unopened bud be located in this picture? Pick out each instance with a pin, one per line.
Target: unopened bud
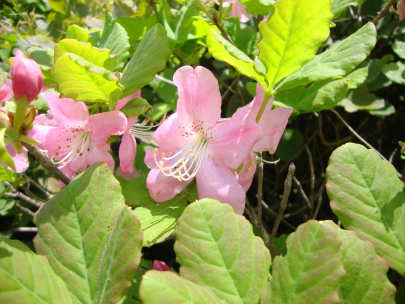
(30, 115)
(161, 266)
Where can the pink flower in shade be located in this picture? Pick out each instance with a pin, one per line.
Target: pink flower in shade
(194, 142)
(401, 9)
(26, 77)
(79, 140)
(20, 159)
(161, 266)
(238, 10)
(247, 172)
(6, 90)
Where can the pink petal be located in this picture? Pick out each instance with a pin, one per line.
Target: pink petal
(6, 90)
(231, 141)
(67, 112)
(127, 153)
(20, 160)
(245, 176)
(78, 165)
(123, 101)
(273, 123)
(238, 10)
(161, 266)
(169, 135)
(51, 138)
(68, 172)
(130, 123)
(95, 155)
(220, 183)
(161, 188)
(103, 125)
(44, 120)
(401, 10)
(199, 103)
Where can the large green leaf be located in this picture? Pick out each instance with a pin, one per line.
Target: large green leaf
(149, 58)
(135, 191)
(399, 48)
(395, 71)
(339, 60)
(258, 7)
(217, 248)
(319, 96)
(76, 32)
(361, 99)
(115, 39)
(312, 270)
(338, 6)
(27, 278)
(366, 280)
(291, 36)
(368, 197)
(135, 107)
(222, 50)
(82, 80)
(92, 240)
(169, 288)
(86, 51)
(159, 220)
(243, 38)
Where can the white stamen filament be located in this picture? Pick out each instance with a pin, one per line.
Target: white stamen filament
(78, 148)
(141, 130)
(189, 160)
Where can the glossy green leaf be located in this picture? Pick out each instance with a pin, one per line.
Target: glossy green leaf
(217, 248)
(399, 48)
(4, 156)
(86, 51)
(361, 99)
(135, 107)
(244, 38)
(169, 288)
(291, 36)
(366, 280)
(115, 39)
(76, 32)
(339, 60)
(338, 6)
(92, 240)
(394, 71)
(258, 7)
(149, 58)
(319, 96)
(312, 271)
(27, 278)
(368, 197)
(5, 174)
(222, 50)
(159, 220)
(84, 81)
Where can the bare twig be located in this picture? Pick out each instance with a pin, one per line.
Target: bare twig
(259, 191)
(25, 210)
(266, 207)
(283, 203)
(384, 11)
(311, 167)
(302, 192)
(319, 199)
(47, 194)
(24, 198)
(391, 159)
(47, 163)
(230, 87)
(24, 229)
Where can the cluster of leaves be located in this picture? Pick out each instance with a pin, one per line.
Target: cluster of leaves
(89, 242)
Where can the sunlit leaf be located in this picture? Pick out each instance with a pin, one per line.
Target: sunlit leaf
(135, 107)
(338, 6)
(4, 156)
(258, 7)
(395, 71)
(76, 32)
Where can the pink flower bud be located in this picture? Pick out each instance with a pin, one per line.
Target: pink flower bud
(26, 77)
(401, 9)
(161, 266)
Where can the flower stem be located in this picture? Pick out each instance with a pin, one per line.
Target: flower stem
(220, 21)
(266, 99)
(20, 113)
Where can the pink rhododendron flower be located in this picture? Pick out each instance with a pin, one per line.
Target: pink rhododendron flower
(161, 266)
(21, 162)
(401, 9)
(26, 77)
(247, 172)
(79, 140)
(6, 90)
(238, 10)
(194, 142)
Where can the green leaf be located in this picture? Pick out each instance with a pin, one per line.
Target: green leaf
(76, 32)
(5, 174)
(357, 77)
(85, 50)
(339, 60)
(115, 39)
(4, 156)
(149, 58)
(135, 191)
(27, 278)
(312, 270)
(92, 240)
(338, 6)
(45, 61)
(84, 81)
(159, 220)
(399, 48)
(318, 96)
(366, 280)
(394, 71)
(361, 99)
(258, 7)
(135, 107)
(169, 288)
(222, 50)
(217, 248)
(291, 36)
(368, 197)
(244, 38)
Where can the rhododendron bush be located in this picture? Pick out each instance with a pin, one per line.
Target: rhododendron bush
(193, 151)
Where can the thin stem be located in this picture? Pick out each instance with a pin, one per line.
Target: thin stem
(47, 163)
(25, 210)
(220, 22)
(384, 11)
(47, 194)
(266, 207)
(20, 113)
(259, 191)
(311, 167)
(164, 79)
(302, 192)
(283, 203)
(319, 199)
(266, 99)
(24, 198)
